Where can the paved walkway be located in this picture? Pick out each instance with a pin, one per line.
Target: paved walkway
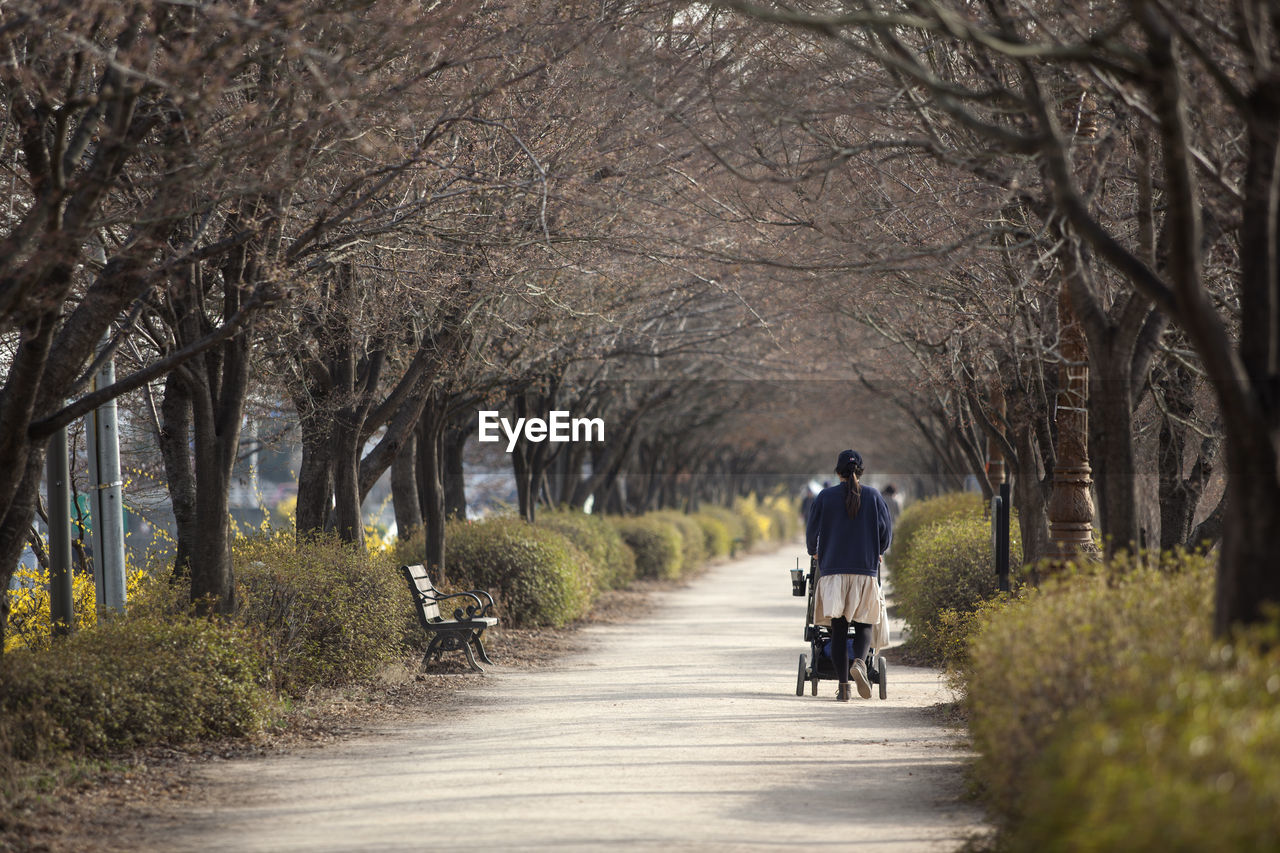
(680, 732)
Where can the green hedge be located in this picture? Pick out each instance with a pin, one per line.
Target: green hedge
(614, 562)
(949, 574)
(327, 613)
(1183, 762)
(757, 526)
(657, 544)
(732, 521)
(537, 575)
(717, 537)
(693, 541)
(1066, 688)
(784, 516)
(920, 514)
(131, 682)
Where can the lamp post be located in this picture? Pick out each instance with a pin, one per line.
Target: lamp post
(1070, 500)
(1071, 508)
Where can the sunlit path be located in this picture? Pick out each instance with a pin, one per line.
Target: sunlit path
(681, 731)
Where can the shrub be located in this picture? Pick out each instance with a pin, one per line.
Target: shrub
(784, 517)
(716, 535)
(131, 682)
(614, 562)
(950, 571)
(658, 546)
(1065, 652)
(536, 574)
(30, 618)
(327, 612)
(732, 522)
(919, 515)
(409, 551)
(693, 541)
(1186, 761)
(756, 526)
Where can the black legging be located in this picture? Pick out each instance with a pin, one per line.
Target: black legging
(840, 644)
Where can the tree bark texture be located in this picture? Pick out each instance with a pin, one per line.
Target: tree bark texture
(431, 489)
(404, 489)
(175, 443)
(455, 483)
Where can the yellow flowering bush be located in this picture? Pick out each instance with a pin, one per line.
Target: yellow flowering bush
(30, 621)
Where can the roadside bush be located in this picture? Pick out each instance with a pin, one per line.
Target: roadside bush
(657, 544)
(732, 522)
(327, 613)
(950, 573)
(917, 516)
(756, 526)
(537, 575)
(1183, 762)
(131, 682)
(594, 536)
(784, 517)
(693, 542)
(30, 616)
(1048, 666)
(716, 535)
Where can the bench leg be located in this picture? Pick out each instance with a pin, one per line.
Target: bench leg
(433, 650)
(480, 649)
(471, 659)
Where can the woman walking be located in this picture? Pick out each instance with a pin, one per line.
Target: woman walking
(849, 529)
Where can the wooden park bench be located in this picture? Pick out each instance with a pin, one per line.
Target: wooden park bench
(450, 635)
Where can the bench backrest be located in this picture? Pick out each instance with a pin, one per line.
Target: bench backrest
(423, 591)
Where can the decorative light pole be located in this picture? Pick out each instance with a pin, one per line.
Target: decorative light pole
(1070, 501)
(1071, 507)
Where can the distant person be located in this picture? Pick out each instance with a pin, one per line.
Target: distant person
(806, 503)
(849, 529)
(891, 499)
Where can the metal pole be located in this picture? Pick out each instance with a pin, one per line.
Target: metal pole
(62, 610)
(1002, 538)
(107, 501)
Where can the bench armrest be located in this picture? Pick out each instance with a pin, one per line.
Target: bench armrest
(478, 608)
(481, 594)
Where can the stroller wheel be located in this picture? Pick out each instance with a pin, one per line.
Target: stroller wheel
(884, 679)
(800, 677)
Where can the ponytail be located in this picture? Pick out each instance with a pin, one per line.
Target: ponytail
(852, 495)
(849, 468)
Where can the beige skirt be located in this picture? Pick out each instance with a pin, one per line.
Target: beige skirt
(855, 597)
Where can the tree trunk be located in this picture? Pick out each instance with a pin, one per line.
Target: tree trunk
(431, 490)
(455, 483)
(523, 472)
(175, 444)
(217, 437)
(1029, 497)
(1179, 495)
(348, 517)
(14, 525)
(315, 477)
(404, 489)
(1111, 425)
(1248, 581)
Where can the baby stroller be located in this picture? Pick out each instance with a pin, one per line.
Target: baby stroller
(819, 639)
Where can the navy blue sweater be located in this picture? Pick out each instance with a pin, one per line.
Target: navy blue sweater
(847, 545)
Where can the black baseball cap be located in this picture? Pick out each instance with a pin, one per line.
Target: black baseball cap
(848, 459)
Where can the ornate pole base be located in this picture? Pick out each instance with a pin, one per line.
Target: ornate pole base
(1071, 514)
